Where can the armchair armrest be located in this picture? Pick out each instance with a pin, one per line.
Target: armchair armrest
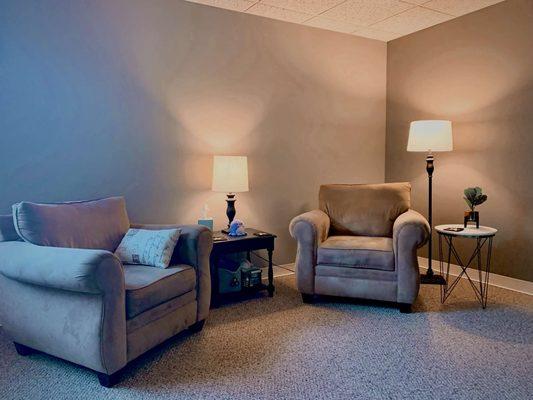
(309, 229)
(69, 303)
(316, 221)
(78, 270)
(193, 248)
(410, 232)
(412, 228)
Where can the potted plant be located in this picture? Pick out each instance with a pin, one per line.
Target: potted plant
(473, 197)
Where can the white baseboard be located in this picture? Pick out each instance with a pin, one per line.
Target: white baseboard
(289, 266)
(502, 281)
(280, 270)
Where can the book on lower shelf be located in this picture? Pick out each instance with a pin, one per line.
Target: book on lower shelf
(251, 276)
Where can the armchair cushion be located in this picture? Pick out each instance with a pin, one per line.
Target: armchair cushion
(96, 224)
(193, 248)
(364, 210)
(148, 287)
(357, 252)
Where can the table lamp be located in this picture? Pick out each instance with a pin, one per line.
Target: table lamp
(230, 175)
(430, 136)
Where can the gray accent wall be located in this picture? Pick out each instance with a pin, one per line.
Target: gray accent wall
(477, 71)
(116, 97)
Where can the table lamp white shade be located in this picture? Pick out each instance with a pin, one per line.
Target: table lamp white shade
(430, 136)
(230, 174)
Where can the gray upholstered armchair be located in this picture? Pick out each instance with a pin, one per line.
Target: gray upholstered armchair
(71, 297)
(362, 242)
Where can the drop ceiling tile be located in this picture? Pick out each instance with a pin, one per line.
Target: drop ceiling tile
(415, 2)
(235, 5)
(459, 7)
(411, 21)
(332, 25)
(375, 19)
(306, 6)
(376, 34)
(264, 10)
(366, 12)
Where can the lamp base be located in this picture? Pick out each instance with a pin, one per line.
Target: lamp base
(230, 210)
(432, 280)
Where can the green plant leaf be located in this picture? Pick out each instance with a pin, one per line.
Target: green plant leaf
(481, 199)
(474, 197)
(470, 194)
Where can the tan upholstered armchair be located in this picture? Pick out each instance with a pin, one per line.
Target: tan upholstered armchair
(362, 243)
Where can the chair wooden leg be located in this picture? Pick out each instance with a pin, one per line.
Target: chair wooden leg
(108, 380)
(23, 350)
(405, 308)
(197, 326)
(308, 298)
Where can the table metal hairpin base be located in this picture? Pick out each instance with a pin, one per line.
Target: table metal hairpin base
(481, 287)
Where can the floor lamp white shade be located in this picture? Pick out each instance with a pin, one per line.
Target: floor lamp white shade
(430, 136)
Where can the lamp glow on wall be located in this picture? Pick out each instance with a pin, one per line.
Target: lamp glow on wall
(230, 175)
(430, 136)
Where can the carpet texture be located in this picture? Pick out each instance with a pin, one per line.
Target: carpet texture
(282, 349)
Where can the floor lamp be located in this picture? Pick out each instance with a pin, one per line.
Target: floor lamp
(430, 136)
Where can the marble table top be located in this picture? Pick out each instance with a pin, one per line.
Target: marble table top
(470, 231)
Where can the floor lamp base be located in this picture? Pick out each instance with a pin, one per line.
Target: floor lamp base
(432, 280)
(429, 278)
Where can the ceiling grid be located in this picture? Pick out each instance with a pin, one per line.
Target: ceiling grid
(375, 19)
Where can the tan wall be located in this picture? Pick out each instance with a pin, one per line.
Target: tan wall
(134, 97)
(477, 71)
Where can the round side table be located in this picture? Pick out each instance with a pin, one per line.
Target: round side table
(483, 237)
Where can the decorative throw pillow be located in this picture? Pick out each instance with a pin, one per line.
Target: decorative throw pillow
(148, 247)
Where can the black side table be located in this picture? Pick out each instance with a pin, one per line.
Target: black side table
(483, 237)
(238, 244)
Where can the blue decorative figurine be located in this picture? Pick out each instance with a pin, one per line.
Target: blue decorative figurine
(237, 228)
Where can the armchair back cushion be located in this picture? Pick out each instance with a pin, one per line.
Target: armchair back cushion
(95, 224)
(364, 210)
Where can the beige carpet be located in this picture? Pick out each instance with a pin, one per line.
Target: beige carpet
(282, 349)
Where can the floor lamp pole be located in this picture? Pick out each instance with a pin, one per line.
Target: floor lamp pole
(430, 278)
